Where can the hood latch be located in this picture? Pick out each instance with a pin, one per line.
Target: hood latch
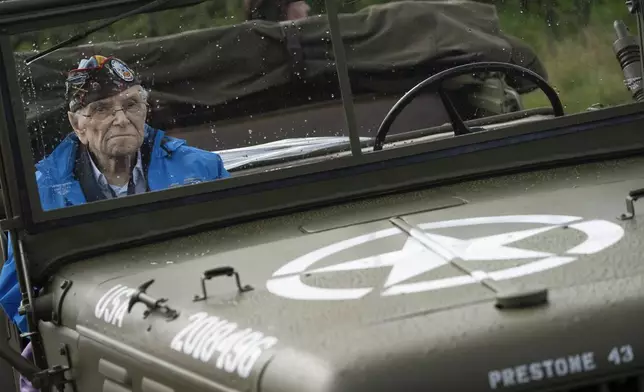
(630, 203)
(220, 271)
(152, 304)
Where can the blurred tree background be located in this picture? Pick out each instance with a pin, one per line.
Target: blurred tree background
(573, 38)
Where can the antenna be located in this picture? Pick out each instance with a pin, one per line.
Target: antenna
(636, 7)
(628, 53)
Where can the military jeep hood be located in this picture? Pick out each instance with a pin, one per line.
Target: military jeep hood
(343, 299)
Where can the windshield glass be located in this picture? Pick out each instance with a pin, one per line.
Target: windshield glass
(173, 98)
(567, 43)
(225, 89)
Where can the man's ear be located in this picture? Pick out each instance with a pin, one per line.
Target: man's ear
(80, 132)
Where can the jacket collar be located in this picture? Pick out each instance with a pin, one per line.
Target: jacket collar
(59, 165)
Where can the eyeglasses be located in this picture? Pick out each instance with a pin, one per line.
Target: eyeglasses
(102, 111)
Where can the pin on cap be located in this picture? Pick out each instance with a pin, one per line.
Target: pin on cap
(97, 78)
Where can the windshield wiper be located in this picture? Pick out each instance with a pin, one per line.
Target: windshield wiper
(285, 150)
(150, 6)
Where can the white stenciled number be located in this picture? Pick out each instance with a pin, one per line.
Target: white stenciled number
(620, 355)
(229, 345)
(252, 355)
(211, 324)
(627, 353)
(195, 320)
(195, 336)
(234, 350)
(215, 340)
(210, 340)
(233, 357)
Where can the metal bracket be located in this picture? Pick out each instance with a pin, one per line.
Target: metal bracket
(64, 351)
(65, 285)
(52, 377)
(521, 299)
(24, 308)
(630, 204)
(220, 271)
(152, 304)
(633, 6)
(12, 224)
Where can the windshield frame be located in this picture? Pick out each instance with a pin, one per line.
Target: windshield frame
(536, 146)
(41, 220)
(33, 15)
(36, 220)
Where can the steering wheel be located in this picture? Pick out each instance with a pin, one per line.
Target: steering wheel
(457, 123)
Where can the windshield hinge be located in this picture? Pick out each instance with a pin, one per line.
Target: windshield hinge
(630, 203)
(52, 377)
(24, 308)
(8, 224)
(41, 379)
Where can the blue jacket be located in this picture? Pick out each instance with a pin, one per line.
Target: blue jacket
(171, 163)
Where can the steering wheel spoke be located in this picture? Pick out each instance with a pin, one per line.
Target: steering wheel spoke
(457, 122)
(459, 126)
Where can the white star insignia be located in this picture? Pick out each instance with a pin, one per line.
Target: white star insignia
(437, 250)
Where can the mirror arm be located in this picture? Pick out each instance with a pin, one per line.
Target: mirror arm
(27, 369)
(41, 379)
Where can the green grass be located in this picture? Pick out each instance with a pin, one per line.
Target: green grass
(582, 67)
(584, 72)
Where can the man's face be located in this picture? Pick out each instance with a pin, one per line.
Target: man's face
(112, 127)
(297, 10)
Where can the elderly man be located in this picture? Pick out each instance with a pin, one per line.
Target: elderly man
(111, 153)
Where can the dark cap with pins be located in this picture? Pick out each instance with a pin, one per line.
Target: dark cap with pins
(97, 78)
